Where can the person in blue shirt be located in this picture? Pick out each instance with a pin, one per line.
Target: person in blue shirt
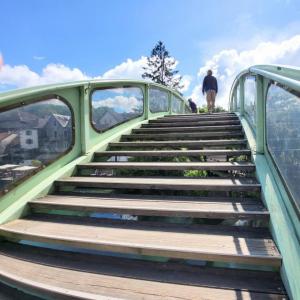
(210, 87)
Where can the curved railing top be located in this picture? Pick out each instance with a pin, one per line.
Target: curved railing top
(287, 75)
(31, 91)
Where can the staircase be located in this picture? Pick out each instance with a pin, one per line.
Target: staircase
(172, 211)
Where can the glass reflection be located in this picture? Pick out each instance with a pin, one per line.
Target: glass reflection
(31, 137)
(283, 134)
(112, 106)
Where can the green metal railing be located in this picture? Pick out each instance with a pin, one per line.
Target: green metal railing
(267, 100)
(86, 139)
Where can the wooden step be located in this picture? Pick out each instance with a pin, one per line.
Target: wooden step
(184, 144)
(199, 119)
(226, 129)
(164, 183)
(191, 115)
(174, 153)
(154, 206)
(191, 124)
(210, 243)
(209, 166)
(54, 274)
(183, 135)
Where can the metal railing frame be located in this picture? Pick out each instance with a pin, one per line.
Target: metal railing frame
(284, 212)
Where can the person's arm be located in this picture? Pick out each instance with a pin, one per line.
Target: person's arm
(216, 86)
(203, 85)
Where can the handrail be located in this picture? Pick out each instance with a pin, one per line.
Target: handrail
(31, 91)
(280, 85)
(290, 76)
(85, 139)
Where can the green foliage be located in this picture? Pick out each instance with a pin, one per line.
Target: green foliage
(204, 109)
(161, 67)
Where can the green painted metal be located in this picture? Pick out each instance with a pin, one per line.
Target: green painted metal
(87, 140)
(284, 221)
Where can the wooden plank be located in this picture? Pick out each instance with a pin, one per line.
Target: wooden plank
(182, 135)
(184, 144)
(201, 243)
(191, 115)
(191, 124)
(199, 116)
(174, 153)
(67, 275)
(164, 183)
(210, 166)
(199, 119)
(154, 207)
(229, 128)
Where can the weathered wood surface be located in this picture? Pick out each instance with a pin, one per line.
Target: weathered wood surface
(210, 166)
(167, 183)
(227, 128)
(155, 207)
(69, 275)
(183, 144)
(203, 243)
(175, 153)
(183, 135)
(191, 123)
(199, 119)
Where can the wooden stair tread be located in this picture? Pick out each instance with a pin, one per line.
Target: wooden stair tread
(154, 207)
(204, 243)
(227, 128)
(174, 153)
(190, 123)
(204, 118)
(178, 143)
(176, 183)
(68, 275)
(182, 135)
(220, 166)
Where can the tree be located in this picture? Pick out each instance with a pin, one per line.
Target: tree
(161, 67)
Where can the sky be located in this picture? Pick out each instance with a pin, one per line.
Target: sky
(47, 41)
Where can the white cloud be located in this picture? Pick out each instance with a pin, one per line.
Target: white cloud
(21, 76)
(132, 69)
(186, 81)
(227, 63)
(126, 103)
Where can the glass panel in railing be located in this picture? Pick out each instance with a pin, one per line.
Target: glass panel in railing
(32, 136)
(158, 100)
(250, 100)
(176, 105)
(283, 135)
(115, 105)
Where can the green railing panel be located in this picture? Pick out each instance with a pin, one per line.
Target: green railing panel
(279, 193)
(86, 138)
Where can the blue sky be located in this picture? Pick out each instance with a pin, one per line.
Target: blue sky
(91, 38)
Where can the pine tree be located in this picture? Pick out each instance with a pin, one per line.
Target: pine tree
(161, 67)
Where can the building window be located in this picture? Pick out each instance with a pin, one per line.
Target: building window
(55, 134)
(29, 141)
(28, 132)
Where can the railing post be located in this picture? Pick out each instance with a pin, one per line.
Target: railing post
(147, 104)
(85, 117)
(260, 120)
(242, 95)
(170, 103)
(235, 99)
